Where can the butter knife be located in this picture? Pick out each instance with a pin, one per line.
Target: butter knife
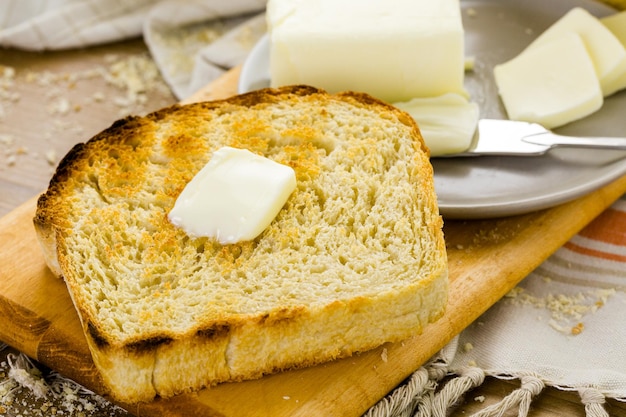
(509, 137)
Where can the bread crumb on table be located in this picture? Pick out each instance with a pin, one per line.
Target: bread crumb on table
(566, 310)
(578, 328)
(51, 156)
(130, 80)
(182, 44)
(46, 394)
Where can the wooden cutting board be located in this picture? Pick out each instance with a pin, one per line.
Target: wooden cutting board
(487, 258)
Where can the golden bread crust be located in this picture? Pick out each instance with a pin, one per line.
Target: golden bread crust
(359, 242)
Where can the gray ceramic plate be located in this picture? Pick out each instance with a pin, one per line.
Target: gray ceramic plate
(486, 187)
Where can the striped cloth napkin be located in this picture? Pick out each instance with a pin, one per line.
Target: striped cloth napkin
(563, 326)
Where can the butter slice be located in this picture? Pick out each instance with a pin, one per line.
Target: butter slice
(234, 197)
(447, 122)
(606, 51)
(551, 84)
(394, 50)
(616, 23)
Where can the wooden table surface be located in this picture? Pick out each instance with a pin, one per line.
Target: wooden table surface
(50, 101)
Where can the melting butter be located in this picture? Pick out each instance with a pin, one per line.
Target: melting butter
(234, 197)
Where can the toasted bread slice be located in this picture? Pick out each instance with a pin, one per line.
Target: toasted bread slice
(355, 258)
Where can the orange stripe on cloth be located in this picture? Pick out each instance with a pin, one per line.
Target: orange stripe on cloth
(594, 252)
(608, 227)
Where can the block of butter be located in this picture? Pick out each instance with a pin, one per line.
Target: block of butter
(551, 84)
(234, 197)
(606, 51)
(395, 50)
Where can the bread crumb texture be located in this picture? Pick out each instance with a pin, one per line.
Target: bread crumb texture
(355, 258)
(565, 310)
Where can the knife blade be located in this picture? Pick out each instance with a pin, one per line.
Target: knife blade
(516, 138)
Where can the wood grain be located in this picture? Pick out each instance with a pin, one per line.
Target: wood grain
(487, 258)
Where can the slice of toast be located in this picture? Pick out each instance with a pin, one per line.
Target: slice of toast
(355, 258)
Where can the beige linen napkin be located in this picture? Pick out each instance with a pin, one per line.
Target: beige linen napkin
(47, 24)
(192, 41)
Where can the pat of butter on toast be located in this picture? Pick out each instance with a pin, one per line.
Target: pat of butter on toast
(234, 197)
